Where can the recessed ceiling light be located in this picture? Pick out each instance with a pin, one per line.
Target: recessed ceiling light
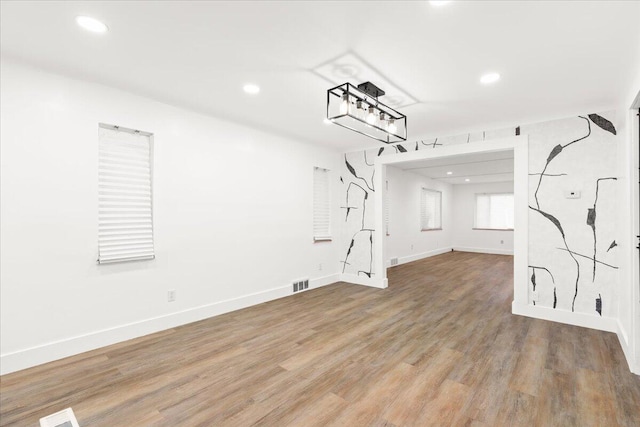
(449, 173)
(467, 180)
(326, 121)
(251, 88)
(489, 78)
(91, 24)
(439, 3)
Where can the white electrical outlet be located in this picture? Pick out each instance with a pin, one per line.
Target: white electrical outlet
(411, 247)
(171, 295)
(319, 267)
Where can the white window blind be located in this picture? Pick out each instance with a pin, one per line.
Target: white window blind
(125, 216)
(386, 208)
(321, 205)
(430, 209)
(494, 211)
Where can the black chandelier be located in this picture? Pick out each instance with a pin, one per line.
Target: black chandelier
(358, 109)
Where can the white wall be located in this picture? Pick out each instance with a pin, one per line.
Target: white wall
(406, 241)
(465, 238)
(232, 214)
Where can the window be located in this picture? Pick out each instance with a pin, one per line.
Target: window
(494, 211)
(321, 205)
(431, 210)
(125, 220)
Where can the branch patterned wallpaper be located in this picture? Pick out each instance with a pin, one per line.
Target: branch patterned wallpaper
(572, 242)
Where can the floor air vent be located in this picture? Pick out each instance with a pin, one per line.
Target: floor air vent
(64, 418)
(300, 285)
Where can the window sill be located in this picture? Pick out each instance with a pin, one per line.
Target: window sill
(493, 229)
(431, 229)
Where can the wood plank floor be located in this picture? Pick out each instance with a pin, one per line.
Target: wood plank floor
(438, 347)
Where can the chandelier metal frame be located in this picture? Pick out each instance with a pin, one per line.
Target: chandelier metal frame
(359, 109)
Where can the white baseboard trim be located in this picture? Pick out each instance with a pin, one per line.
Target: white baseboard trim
(624, 343)
(416, 257)
(324, 281)
(608, 324)
(23, 359)
(365, 281)
(483, 250)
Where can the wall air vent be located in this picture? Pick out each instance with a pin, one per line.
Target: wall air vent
(393, 261)
(300, 285)
(64, 418)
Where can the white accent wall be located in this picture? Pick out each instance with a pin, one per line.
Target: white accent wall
(406, 241)
(465, 238)
(232, 218)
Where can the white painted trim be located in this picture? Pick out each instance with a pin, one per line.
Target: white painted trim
(482, 250)
(379, 238)
(488, 146)
(521, 222)
(319, 282)
(22, 359)
(608, 324)
(628, 275)
(634, 266)
(373, 282)
(626, 348)
(416, 257)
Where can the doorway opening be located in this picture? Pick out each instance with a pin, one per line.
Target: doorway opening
(512, 150)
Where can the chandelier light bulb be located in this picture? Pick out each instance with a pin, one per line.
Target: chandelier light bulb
(392, 128)
(382, 121)
(371, 117)
(360, 110)
(344, 105)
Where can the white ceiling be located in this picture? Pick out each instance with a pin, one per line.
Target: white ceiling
(555, 58)
(477, 168)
